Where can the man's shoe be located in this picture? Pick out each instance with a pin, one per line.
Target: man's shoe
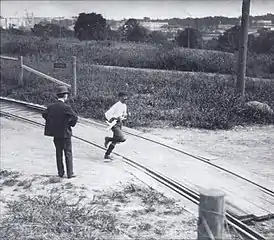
(108, 158)
(106, 142)
(61, 176)
(72, 176)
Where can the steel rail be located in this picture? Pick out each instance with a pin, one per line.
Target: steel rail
(202, 159)
(171, 184)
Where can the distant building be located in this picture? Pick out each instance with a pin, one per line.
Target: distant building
(263, 23)
(153, 26)
(29, 21)
(115, 25)
(225, 26)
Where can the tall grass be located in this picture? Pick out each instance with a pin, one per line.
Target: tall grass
(137, 55)
(155, 97)
(58, 214)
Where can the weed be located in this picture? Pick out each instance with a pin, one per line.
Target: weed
(156, 97)
(144, 226)
(9, 182)
(53, 180)
(26, 184)
(53, 216)
(6, 173)
(69, 185)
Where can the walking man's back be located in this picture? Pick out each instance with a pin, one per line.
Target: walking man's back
(60, 118)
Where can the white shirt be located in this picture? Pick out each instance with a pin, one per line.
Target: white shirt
(119, 109)
(61, 99)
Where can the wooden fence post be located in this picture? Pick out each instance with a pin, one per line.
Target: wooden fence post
(21, 74)
(74, 80)
(211, 215)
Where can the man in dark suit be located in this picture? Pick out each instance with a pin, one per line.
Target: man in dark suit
(60, 118)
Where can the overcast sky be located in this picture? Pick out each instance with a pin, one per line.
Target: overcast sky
(135, 9)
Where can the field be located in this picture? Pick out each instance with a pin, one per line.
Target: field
(140, 55)
(157, 97)
(105, 201)
(111, 199)
(64, 211)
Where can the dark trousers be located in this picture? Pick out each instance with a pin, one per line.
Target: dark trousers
(118, 137)
(63, 145)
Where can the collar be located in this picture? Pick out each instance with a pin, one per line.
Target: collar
(61, 99)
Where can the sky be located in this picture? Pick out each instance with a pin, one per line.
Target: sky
(117, 9)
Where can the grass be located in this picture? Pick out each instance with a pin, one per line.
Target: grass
(26, 184)
(128, 54)
(59, 215)
(53, 180)
(6, 173)
(156, 97)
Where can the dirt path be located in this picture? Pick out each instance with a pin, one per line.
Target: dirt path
(248, 148)
(29, 162)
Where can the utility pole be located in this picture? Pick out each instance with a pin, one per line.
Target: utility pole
(240, 84)
(188, 38)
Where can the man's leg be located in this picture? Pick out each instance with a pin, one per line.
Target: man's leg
(68, 156)
(117, 138)
(112, 145)
(107, 141)
(109, 150)
(59, 145)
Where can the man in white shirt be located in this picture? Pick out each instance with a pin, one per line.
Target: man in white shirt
(118, 112)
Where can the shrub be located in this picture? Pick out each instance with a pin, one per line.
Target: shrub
(174, 98)
(138, 55)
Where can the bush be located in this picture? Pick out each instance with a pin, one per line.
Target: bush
(173, 98)
(138, 55)
(177, 98)
(197, 61)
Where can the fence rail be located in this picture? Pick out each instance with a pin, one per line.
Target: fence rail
(40, 74)
(9, 58)
(43, 75)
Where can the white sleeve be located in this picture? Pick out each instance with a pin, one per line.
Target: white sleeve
(111, 112)
(125, 111)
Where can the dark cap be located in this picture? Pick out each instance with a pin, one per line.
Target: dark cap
(62, 90)
(122, 94)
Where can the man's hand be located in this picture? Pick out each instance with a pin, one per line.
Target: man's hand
(112, 119)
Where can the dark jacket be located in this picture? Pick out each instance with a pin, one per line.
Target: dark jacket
(59, 118)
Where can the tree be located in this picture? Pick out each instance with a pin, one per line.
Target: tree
(133, 31)
(157, 37)
(50, 30)
(90, 26)
(264, 43)
(114, 35)
(229, 40)
(190, 37)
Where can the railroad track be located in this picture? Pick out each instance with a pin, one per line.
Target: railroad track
(21, 110)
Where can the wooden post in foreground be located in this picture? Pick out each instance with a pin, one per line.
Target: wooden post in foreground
(211, 215)
(21, 74)
(74, 80)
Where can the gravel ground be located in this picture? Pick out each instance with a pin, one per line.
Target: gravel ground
(142, 213)
(249, 148)
(244, 149)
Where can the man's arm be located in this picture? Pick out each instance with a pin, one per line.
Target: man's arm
(45, 114)
(110, 114)
(73, 118)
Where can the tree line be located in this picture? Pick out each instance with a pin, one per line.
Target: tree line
(93, 26)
